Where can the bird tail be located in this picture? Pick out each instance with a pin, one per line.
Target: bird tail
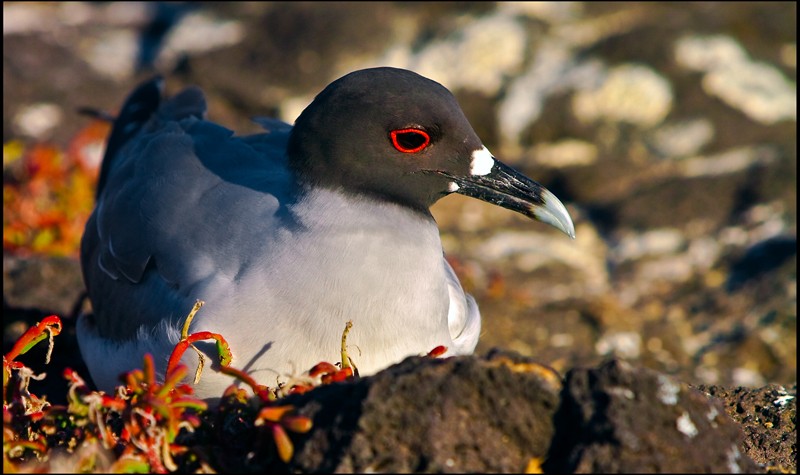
(141, 105)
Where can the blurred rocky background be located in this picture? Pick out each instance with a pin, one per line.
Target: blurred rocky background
(668, 130)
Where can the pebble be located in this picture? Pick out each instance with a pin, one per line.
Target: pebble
(38, 120)
(757, 89)
(682, 138)
(727, 162)
(626, 345)
(631, 93)
(565, 153)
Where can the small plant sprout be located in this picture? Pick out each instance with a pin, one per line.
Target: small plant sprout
(187, 341)
(347, 362)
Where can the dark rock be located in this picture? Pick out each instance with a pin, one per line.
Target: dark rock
(163, 17)
(617, 418)
(50, 284)
(761, 258)
(492, 414)
(768, 416)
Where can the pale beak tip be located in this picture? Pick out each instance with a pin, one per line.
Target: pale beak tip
(554, 213)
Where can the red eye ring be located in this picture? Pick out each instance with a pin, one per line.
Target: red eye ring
(410, 140)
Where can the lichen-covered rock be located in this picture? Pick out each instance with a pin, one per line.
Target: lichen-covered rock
(768, 416)
(617, 418)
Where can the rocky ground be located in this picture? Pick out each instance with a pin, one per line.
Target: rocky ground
(668, 130)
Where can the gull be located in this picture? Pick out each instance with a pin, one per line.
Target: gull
(288, 234)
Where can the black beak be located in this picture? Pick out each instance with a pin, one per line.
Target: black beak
(506, 187)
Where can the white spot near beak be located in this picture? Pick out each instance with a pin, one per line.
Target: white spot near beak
(453, 187)
(482, 162)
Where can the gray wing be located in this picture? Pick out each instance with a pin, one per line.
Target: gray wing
(182, 200)
(463, 317)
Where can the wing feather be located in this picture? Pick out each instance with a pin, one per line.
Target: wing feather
(171, 182)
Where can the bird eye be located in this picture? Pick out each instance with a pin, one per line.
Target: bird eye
(410, 140)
